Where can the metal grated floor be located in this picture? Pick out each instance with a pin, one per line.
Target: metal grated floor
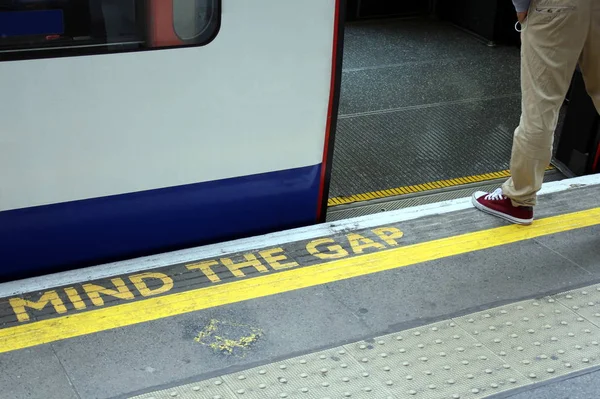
(420, 145)
(420, 102)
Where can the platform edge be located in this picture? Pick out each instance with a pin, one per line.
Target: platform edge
(108, 270)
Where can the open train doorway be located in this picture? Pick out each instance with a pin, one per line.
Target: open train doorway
(430, 98)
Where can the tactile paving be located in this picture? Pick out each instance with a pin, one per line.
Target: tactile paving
(539, 338)
(585, 302)
(436, 361)
(329, 374)
(476, 356)
(208, 389)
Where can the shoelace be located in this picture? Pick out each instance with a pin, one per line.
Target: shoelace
(495, 196)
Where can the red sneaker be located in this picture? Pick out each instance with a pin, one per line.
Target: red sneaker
(499, 205)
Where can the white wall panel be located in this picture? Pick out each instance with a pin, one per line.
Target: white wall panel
(254, 100)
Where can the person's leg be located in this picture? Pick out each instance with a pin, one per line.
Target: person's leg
(553, 37)
(590, 58)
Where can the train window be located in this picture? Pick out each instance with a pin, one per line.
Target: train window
(39, 28)
(190, 28)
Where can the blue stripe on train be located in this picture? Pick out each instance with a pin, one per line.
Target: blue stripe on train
(81, 233)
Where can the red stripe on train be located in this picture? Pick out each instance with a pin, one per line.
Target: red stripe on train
(597, 160)
(161, 31)
(330, 109)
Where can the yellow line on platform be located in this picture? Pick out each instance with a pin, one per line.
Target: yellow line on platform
(419, 188)
(45, 331)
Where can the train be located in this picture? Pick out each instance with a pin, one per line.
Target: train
(134, 127)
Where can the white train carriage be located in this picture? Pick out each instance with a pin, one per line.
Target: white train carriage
(131, 127)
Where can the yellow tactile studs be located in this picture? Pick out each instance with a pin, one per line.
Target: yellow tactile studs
(209, 389)
(475, 356)
(436, 361)
(329, 374)
(539, 338)
(585, 302)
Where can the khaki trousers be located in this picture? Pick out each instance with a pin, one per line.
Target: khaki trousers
(556, 35)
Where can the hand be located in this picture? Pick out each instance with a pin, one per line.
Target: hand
(522, 16)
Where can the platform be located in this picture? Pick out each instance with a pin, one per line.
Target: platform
(434, 301)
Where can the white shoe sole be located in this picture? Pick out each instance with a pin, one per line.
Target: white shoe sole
(512, 219)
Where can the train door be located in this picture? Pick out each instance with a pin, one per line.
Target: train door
(429, 101)
(132, 127)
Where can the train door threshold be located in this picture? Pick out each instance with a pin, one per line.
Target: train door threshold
(341, 208)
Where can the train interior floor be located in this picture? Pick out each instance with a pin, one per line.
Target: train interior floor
(421, 101)
(436, 301)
